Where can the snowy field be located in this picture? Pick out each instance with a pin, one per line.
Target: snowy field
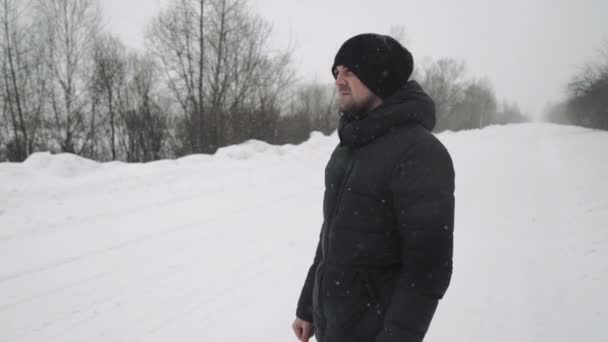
(216, 248)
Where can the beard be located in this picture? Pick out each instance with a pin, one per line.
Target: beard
(355, 109)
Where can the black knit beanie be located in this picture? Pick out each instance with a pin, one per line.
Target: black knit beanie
(379, 61)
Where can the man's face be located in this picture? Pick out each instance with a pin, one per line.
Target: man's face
(353, 95)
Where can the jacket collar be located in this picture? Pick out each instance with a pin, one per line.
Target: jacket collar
(409, 105)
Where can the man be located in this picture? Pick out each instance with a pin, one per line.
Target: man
(384, 257)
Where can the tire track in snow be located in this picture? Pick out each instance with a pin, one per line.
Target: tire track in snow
(219, 289)
(130, 242)
(240, 211)
(106, 215)
(263, 268)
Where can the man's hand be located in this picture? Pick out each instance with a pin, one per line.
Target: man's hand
(303, 329)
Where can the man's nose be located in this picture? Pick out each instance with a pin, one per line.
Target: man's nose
(339, 79)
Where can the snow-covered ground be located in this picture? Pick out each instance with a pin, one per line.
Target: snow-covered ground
(215, 248)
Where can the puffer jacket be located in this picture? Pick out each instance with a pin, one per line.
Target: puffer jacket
(384, 257)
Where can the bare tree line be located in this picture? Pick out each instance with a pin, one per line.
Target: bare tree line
(461, 102)
(586, 96)
(207, 78)
(24, 76)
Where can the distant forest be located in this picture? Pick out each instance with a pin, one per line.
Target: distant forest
(586, 102)
(208, 78)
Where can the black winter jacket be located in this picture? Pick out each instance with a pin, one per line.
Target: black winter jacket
(384, 257)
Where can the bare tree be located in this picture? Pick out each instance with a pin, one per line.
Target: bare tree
(221, 73)
(70, 30)
(318, 103)
(145, 118)
(176, 38)
(13, 105)
(477, 108)
(267, 79)
(586, 101)
(587, 104)
(584, 80)
(23, 77)
(444, 81)
(509, 113)
(108, 82)
(603, 54)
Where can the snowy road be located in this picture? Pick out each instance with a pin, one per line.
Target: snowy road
(216, 248)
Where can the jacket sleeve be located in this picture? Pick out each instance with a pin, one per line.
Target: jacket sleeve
(422, 187)
(304, 309)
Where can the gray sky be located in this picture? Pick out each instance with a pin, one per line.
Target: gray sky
(528, 48)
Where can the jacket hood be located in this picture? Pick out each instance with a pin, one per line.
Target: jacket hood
(408, 105)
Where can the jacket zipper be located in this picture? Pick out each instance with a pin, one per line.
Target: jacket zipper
(349, 168)
(325, 240)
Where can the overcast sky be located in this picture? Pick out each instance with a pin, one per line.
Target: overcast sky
(528, 48)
